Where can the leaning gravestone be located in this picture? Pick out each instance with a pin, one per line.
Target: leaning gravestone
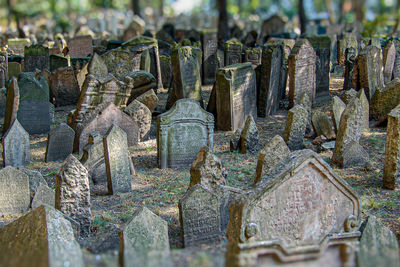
(337, 108)
(181, 132)
(58, 61)
(144, 241)
(44, 195)
(370, 70)
(268, 94)
(117, 161)
(73, 193)
(200, 216)
(119, 63)
(64, 87)
(3, 69)
(391, 170)
(33, 112)
(60, 143)
(384, 100)
(14, 196)
(235, 96)
(322, 125)
(301, 71)
(80, 46)
(249, 137)
(12, 104)
(186, 75)
(43, 238)
(210, 61)
(36, 57)
(295, 129)
(304, 214)
(233, 52)
(140, 113)
(389, 56)
(16, 146)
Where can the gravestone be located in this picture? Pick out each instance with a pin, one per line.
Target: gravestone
(18, 45)
(140, 113)
(389, 57)
(186, 75)
(235, 96)
(322, 48)
(12, 104)
(345, 41)
(304, 214)
(392, 151)
(301, 71)
(117, 161)
(274, 25)
(384, 100)
(351, 68)
(142, 82)
(370, 70)
(295, 129)
(43, 238)
(181, 132)
(60, 143)
(322, 125)
(350, 129)
(209, 44)
(268, 93)
(97, 67)
(16, 146)
(233, 52)
(166, 71)
(14, 196)
(73, 193)
(14, 69)
(119, 63)
(199, 215)
(80, 46)
(396, 67)
(64, 87)
(337, 108)
(149, 99)
(44, 195)
(3, 69)
(144, 241)
(274, 152)
(58, 61)
(101, 120)
(253, 55)
(249, 137)
(36, 57)
(33, 112)
(365, 108)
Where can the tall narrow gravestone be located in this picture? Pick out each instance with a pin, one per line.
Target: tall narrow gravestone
(200, 216)
(16, 147)
(12, 104)
(210, 60)
(301, 71)
(181, 132)
(14, 192)
(268, 94)
(60, 143)
(117, 161)
(389, 56)
(36, 57)
(3, 69)
(391, 172)
(233, 52)
(370, 70)
(236, 96)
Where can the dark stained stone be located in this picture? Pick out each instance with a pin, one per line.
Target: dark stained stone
(384, 100)
(36, 57)
(80, 46)
(389, 57)
(391, 179)
(370, 70)
(12, 104)
(60, 143)
(58, 61)
(210, 60)
(351, 70)
(233, 52)
(64, 87)
(322, 125)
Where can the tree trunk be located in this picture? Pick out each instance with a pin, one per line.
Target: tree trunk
(358, 7)
(223, 29)
(396, 26)
(341, 11)
(302, 17)
(161, 8)
(136, 7)
(240, 6)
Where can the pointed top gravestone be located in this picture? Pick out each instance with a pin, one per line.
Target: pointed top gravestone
(16, 146)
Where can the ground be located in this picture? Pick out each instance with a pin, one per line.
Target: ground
(160, 190)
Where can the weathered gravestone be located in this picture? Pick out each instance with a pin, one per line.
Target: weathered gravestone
(268, 95)
(253, 55)
(351, 68)
(337, 108)
(64, 87)
(181, 132)
(141, 114)
(58, 61)
(142, 82)
(117, 161)
(370, 70)
(43, 237)
(149, 99)
(274, 152)
(301, 71)
(235, 93)
(16, 146)
(60, 143)
(304, 213)
(391, 171)
(33, 112)
(389, 56)
(322, 125)
(80, 46)
(233, 52)
(144, 241)
(14, 193)
(14, 69)
(12, 104)
(249, 137)
(295, 129)
(119, 63)
(17, 45)
(378, 245)
(101, 120)
(73, 193)
(44, 195)
(3, 69)
(322, 48)
(345, 41)
(199, 215)
(97, 67)
(210, 60)
(36, 57)
(385, 99)
(348, 136)
(166, 71)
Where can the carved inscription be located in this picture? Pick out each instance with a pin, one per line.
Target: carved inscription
(14, 193)
(80, 46)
